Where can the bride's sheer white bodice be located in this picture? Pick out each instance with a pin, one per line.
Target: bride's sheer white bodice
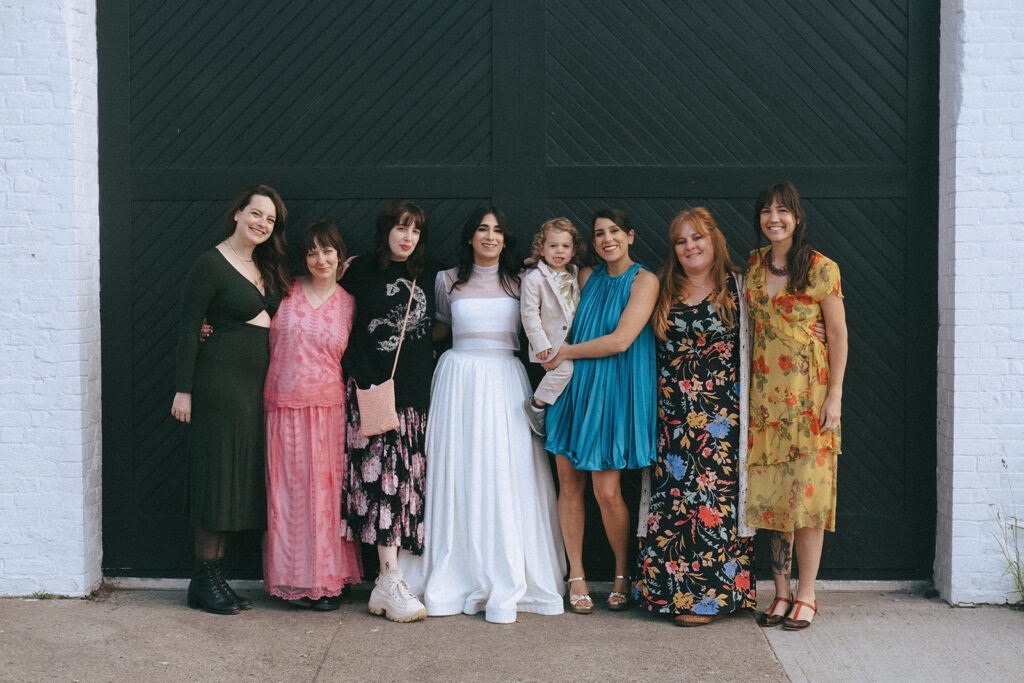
(481, 314)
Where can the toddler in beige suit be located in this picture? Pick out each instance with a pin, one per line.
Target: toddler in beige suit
(548, 299)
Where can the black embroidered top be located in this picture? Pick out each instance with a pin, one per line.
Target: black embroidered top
(381, 298)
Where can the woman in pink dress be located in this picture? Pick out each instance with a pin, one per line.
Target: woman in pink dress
(305, 554)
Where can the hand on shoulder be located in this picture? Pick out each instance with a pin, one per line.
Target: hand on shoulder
(343, 268)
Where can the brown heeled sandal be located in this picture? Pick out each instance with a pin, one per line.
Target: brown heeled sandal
(799, 624)
(768, 619)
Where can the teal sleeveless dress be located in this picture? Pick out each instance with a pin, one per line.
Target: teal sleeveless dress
(605, 418)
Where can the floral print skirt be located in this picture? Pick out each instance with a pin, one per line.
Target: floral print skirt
(386, 479)
(794, 494)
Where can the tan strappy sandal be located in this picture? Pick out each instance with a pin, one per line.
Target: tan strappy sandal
(618, 600)
(575, 599)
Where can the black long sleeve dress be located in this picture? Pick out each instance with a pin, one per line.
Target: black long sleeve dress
(224, 374)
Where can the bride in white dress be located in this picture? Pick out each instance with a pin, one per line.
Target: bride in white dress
(492, 536)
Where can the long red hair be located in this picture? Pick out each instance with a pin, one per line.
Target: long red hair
(674, 283)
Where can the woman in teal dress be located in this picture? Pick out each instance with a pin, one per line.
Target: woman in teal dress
(604, 421)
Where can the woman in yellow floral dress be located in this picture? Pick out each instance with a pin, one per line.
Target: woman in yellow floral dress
(795, 399)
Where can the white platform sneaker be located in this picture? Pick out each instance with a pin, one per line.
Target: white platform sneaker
(392, 597)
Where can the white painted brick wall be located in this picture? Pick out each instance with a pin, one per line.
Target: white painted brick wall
(49, 301)
(981, 295)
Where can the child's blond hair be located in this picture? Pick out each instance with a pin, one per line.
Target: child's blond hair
(564, 225)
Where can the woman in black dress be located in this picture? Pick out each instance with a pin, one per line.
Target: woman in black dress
(236, 286)
(695, 550)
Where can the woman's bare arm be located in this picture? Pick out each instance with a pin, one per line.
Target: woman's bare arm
(838, 348)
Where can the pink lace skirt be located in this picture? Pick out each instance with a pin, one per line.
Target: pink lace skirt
(305, 551)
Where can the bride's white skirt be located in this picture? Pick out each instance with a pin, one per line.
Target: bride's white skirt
(492, 535)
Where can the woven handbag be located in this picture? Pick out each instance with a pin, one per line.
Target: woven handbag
(377, 412)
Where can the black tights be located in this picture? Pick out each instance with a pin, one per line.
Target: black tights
(209, 545)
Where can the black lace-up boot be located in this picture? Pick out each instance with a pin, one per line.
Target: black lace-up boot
(218, 576)
(205, 592)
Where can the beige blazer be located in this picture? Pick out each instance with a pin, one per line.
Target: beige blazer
(547, 319)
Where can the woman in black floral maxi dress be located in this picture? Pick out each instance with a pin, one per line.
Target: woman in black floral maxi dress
(693, 563)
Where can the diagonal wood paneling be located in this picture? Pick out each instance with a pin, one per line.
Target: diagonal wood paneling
(310, 84)
(668, 83)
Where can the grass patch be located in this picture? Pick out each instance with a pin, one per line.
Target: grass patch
(43, 595)
(1010, 527)
(1010, 545)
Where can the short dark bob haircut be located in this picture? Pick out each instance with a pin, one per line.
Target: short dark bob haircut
(322, 233)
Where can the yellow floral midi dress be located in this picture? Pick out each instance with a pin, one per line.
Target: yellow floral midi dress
(791, 463)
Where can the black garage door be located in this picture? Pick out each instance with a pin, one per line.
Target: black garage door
(545, 108)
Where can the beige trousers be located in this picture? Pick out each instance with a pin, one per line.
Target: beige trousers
(554, 382)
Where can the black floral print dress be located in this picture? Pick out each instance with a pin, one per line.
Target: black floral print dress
(693, 560)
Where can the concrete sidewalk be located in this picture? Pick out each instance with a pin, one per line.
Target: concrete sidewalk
(150, 635)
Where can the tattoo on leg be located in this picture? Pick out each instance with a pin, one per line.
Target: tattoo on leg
(387, 566)
(782, 554)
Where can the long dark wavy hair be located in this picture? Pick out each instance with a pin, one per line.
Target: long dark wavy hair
(508, 261)
(800, 255)
(271, 257)
(388, 218)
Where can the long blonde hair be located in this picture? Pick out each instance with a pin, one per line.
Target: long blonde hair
(674, 283)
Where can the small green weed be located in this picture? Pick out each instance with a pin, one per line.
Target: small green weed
(1009, 542)
(43, 595)
(1010, 545)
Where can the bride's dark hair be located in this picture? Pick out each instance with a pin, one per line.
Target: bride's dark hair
(508, 262)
